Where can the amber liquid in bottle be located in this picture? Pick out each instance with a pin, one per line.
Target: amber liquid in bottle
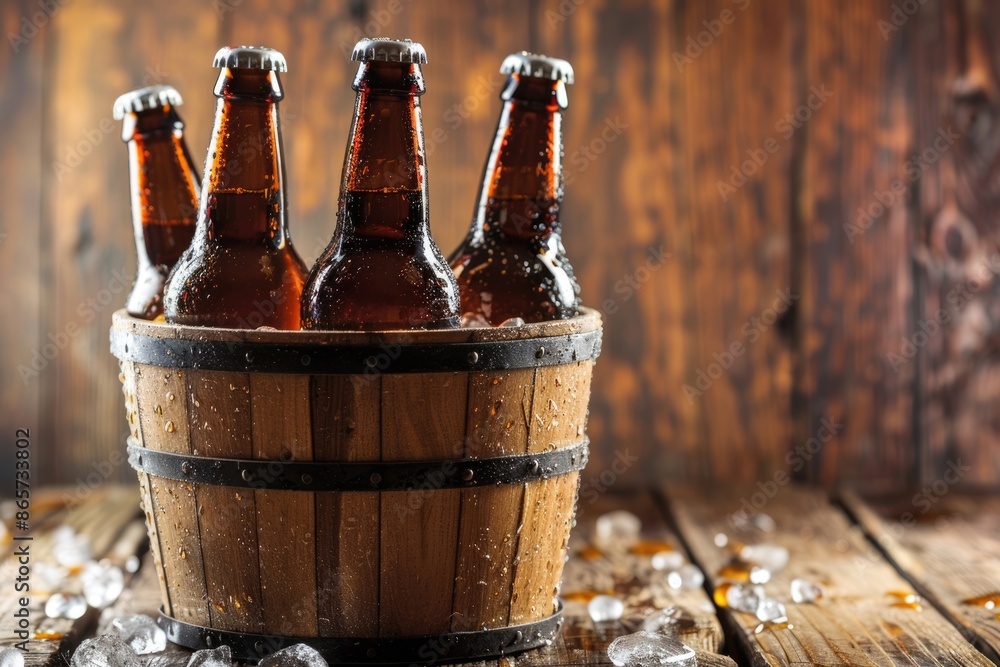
(512, 263)
(164, 188)
(241, 270)
(382, 270)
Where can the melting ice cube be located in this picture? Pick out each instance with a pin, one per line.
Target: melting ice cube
(66, 606)
(617, 530)
(215, 657)
(11, 657)
(141, 633)
(604, 608)
(668, 560)
(805, 591)
(649, 648)
(687, 577)
(105, 651)
(102, 583)
(298, 655)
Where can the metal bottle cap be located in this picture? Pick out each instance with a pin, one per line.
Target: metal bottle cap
(389, 50)
(251, 57)
(144, 99)
(537, 65)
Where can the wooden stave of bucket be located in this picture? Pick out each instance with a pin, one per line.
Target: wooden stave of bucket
(380, 539)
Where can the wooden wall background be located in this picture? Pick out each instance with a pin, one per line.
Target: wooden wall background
(899, 72)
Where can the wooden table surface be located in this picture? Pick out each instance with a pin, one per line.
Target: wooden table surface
(866, 554)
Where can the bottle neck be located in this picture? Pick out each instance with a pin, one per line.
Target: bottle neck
(384, 188)
(162, 180)
(522, 187)
(244, 198)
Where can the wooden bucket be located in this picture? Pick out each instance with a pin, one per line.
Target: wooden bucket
(399, 497)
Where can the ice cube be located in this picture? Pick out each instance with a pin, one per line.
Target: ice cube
(804, 591)
(69, 548)
(215, 657)
(132, 564)
(512, 322)
(664, 621)
(764, 522)
(771, 610)
(650, 648)
(105, 651)
(604, 608)
(617, 530)
(11, 657)
(739, 597)
(668, 560)
(141, 633)
(771, 557)
(474, 321)
(102, 583)
(48, 578)
(687, 577)
(298, 655)
(66, 606)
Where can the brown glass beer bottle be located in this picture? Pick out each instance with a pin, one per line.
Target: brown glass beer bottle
(382, 269)
(241, 270)
(164, 187)
(512, 262)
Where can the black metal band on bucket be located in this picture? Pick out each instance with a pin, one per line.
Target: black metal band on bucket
(359, 476)
(320, 359)
(445, 647)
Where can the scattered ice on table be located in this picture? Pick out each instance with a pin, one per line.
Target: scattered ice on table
(105, 651)
(141, 633)
(769, 609)
(11, 657)
(513, 322)
(617, 530)
(69, 548)
(474, 321)
(742, 598)
(47, 577)
(605, 608)
(102, 583)
(298, 655)
(771, 557)
(668, 560)
(66, 606)
(650, 648)
(132, 564)
(664, 621)
(804, 591)
(214, 657)
(687, 577)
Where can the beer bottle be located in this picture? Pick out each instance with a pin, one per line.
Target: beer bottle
(164, 188)
(241, 270)
(382, 269)
(512, 262)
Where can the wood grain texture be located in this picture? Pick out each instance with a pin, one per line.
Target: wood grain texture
(859, 620)
(950, 552)
(286, 522)
(220, 410)
(347, 527)
(423, 417)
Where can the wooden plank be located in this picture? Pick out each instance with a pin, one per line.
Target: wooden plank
(172, 509)
(499, 415)
(286, 525)
(423, 417)
(948, 547)
(347, 524)
(629, 575)
(24, 275)
(862, 618)
(856, 271)
(220, 409)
